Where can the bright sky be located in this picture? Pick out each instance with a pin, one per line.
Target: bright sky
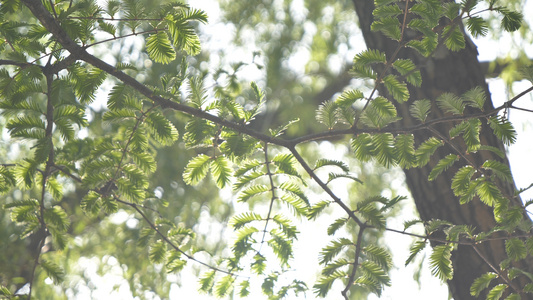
(305, 265)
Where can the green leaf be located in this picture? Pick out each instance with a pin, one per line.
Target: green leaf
(333, 249)
(408, 69)
(369, 57)
(451, 103)
(316, 209)
(109, 205)
(281, 129)
(159, 48)
(443, 165)
(324, 283)
(246, 166)
(196, 169)
(158, 252)
(379, 255)
(512, 20)
(144, 160)
(397, 89)
(488, 192)
(91, 203)
(451, 10)
(258, 265)
(333, 176)
(244, 288)
(379, 113)
(420, 109)
(207, 281)
(477, 26)
(161, 128)
(363, 147)
(370, 212)
(513, 297)
(252, 191)
(426, 149)
(175, 264)
(57, 217)
(496, 292)
(374, 273)
(471, 134)
(475, 97)
(85, 81)
(120, 97)
(404, 150)
(182, 33)
(499, 169)
(5, 291)
(221, 170)
(362, 71)
(461, 180)
(224, 286)
(348, 97)
(285, 164)
(242, 243)
(327, 114)
(516, 249)
(492, 149)
(429, 10)
(197, 131)
(440, 262)
(331, 162)
(333, 267)
(455, 39)
(281, 246)
(26, 126)
(415, 249)
(458, 129)
(481, 283)
(294, 190)
(285, 226)
(390, 26)
(386, 11)
(384, 149)
(298, 206)
(53, 271)
(243, 180)
(336, 225)
(503, 129)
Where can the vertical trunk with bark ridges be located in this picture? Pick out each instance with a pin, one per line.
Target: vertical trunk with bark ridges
(453, 72)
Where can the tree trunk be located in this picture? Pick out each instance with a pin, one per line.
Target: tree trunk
(453, 72)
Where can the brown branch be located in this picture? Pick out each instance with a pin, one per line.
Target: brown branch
(114, 19)
(7, 62)
(36, 259)
(80, 53)
(355, 263)
(47, 170)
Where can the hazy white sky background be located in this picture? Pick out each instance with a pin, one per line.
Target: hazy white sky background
(216, 36)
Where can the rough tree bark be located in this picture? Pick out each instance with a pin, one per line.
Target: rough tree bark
(454, 72)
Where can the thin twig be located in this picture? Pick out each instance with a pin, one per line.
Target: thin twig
(324, 187)
(503, 276)
(273, 189)
(172, 244)
(355, 263)
(68, 173)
